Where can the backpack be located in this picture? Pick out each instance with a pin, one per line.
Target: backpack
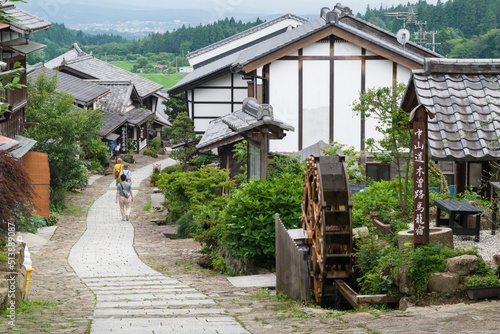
(126, 193)
(118, 171)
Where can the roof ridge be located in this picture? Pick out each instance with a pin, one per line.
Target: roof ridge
(245, 33)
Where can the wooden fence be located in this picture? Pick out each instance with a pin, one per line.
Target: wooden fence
(292, 274)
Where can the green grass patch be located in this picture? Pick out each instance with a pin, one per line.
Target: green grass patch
(166, 80)
(147, 207)
(31, 305)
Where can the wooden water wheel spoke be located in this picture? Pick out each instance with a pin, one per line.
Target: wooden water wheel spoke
(326, 216)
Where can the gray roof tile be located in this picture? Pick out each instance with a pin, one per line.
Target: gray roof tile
(462, 94)
(77, 60)
(84, 92)
(24, 21)
(230, 127)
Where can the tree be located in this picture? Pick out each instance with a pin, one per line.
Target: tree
(16, 190)
(393, 123)
(183, 132)
(62, 131)
(174, 106)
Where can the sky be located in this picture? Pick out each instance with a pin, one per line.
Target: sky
(223, 8)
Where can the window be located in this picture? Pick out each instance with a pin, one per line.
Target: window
(378, 172)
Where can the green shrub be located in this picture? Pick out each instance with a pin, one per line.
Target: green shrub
(188, 227)
(151, 152)
(156, 143)
(186, 190)
(369, 199)
(171, 169)
(490, 279)
(29, 224)
(248, 231)
(52, 219)
(286, 164)
(204, 159)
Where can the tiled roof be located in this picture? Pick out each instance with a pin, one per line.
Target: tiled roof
(230, 127)
(465, 97)
(345, 21)
(80, 62)
(313, 150)
(84, 92)
(245, 33)
(138, 115)
(74, 53)
(111, 122)
(342, 18)
(24, 21)
(119, 98)
(203, 74)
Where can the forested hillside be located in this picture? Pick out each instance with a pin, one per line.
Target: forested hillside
(59, 39)
(465, 28)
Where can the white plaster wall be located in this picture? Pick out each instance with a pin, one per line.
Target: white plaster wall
(222, 81)
(346, 49)
(212, 110)
(284, 98)
(213, 95)
(190, 104)
(243, 40)
(316, 111)
(317, 49)
(403, 74)
(378, 74)
(240, 94)
(347, 81)
(201, 125)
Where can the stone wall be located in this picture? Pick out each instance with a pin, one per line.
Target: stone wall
(13, 277)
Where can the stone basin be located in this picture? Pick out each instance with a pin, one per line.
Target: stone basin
(438, 235)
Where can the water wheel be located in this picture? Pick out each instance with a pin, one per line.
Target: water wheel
(327, 218)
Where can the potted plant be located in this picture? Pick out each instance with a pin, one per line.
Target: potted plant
(487, 286)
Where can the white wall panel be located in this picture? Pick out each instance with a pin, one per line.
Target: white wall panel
(347, 86)
(378, 74)
(240, 95)
(239, 81)
(212, 95)
(201, 125)
(316, 111)
(283, 93)
(346, 49)
(403, 74)
(224, 80)
(212, 110)
(317, 49)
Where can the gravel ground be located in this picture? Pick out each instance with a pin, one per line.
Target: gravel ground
(487, 246)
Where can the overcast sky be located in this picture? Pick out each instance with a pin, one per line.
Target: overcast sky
(223, 8)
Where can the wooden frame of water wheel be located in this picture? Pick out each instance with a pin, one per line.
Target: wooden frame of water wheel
(327, 218)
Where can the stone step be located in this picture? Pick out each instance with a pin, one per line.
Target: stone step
(124, 312)
(143, 288)
(149, 296)
(164, 282)
(220, 325)
(154, 303)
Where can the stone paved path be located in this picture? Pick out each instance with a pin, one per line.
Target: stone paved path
(132, 297)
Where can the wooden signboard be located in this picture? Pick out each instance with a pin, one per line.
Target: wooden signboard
(420, 176)
(124, 139)
(142, 133)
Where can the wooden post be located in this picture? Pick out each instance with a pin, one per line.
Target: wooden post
(263, 153)
(420, 176)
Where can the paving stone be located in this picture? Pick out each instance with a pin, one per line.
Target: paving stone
(260, 281)
(127, 291)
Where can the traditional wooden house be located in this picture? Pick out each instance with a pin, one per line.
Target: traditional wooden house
(310, 74)
(256, 124)
(211, 90)
(464, 96)
(15, 44)
(131, 103)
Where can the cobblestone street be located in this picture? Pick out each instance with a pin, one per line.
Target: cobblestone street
(99, 274)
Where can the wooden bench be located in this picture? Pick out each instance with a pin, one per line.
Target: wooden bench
(458, 212)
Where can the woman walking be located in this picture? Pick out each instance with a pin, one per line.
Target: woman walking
(125, 197)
